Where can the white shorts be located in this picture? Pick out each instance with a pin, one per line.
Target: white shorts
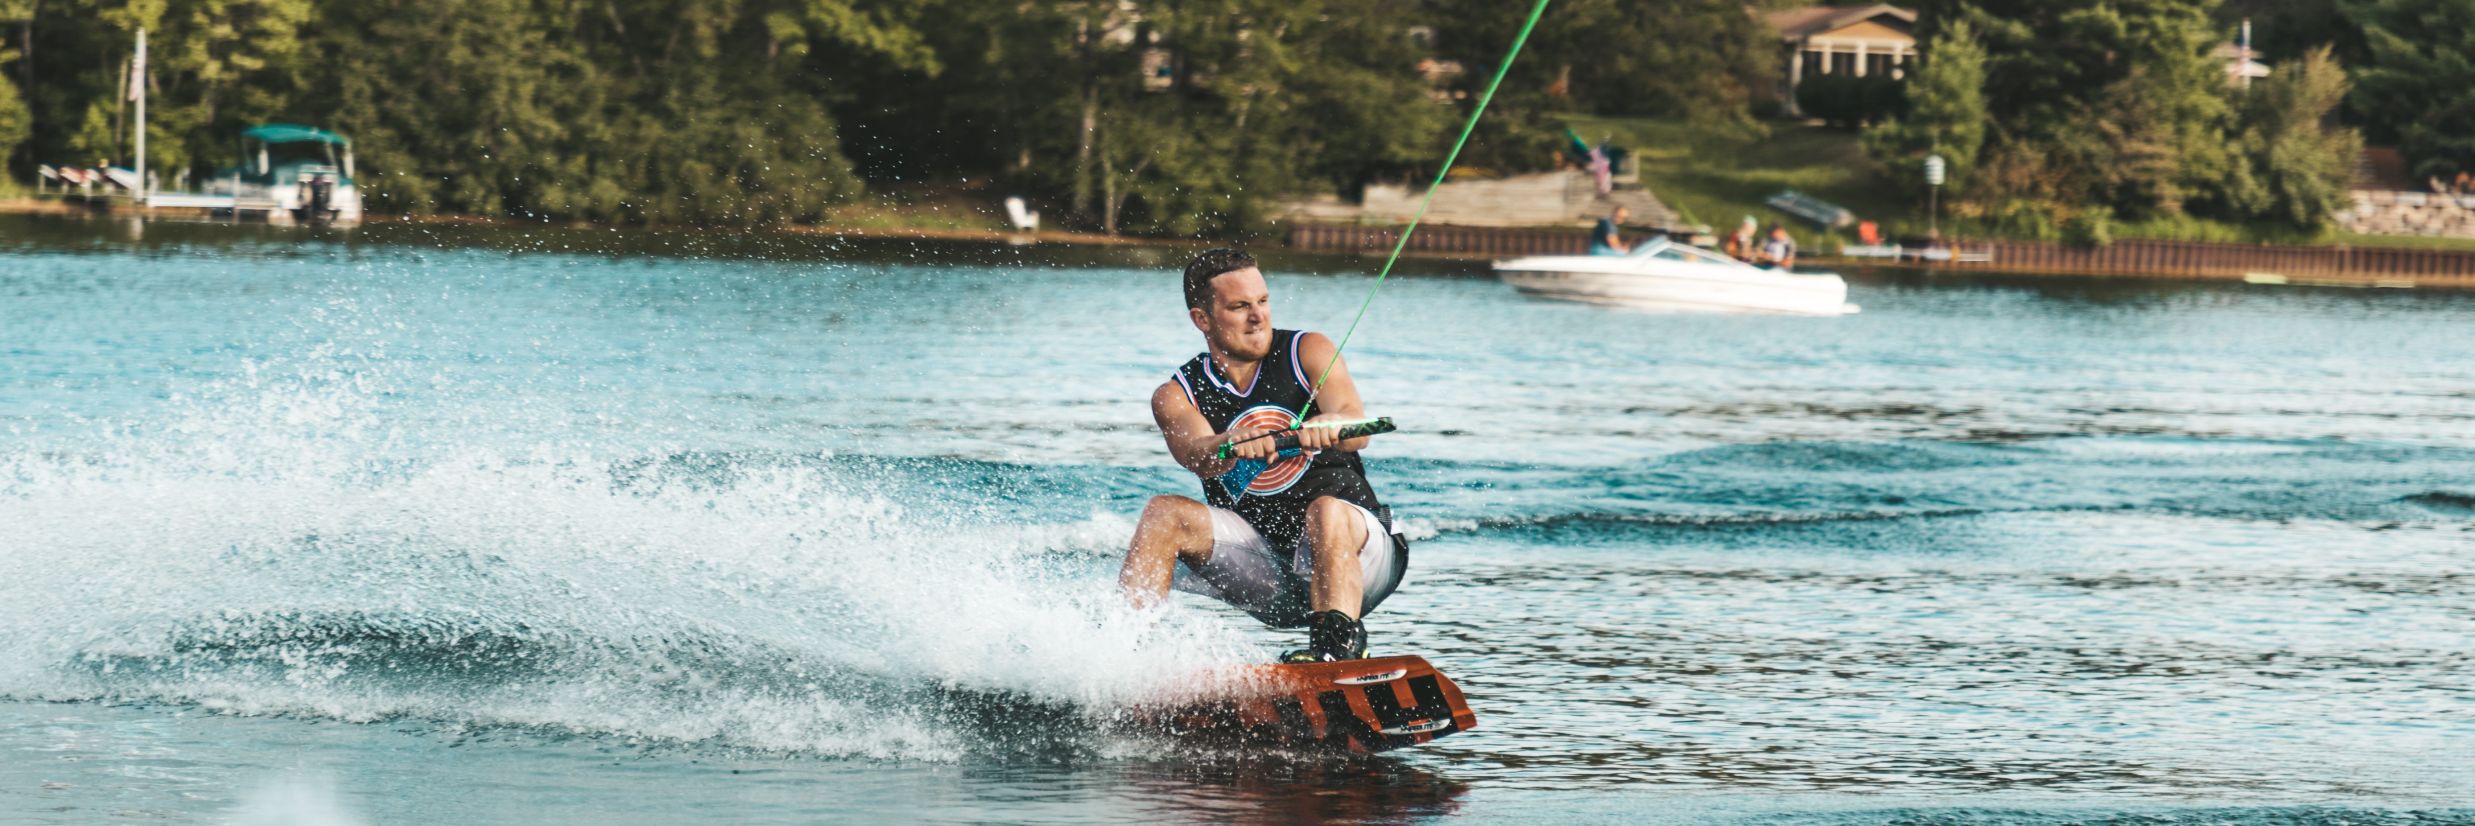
(1245, 572)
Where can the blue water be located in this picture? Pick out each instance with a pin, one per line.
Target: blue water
(411, 525)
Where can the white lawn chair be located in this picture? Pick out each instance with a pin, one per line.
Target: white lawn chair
(1021, 216)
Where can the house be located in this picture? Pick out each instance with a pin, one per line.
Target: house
(1866, 41)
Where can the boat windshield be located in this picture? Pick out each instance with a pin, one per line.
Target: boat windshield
(1668, 250)
(309, 152)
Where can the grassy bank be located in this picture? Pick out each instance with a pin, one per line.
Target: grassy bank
(1716, 177)
(939, 214)
(1713, 177)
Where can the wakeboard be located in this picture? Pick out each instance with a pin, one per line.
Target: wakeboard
(1361, 706)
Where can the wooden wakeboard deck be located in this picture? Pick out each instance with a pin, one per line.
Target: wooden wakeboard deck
(1362, 706)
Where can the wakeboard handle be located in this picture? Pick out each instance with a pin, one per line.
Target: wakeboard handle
(1285, 442)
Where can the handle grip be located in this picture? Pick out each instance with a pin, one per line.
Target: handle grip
(1287, 442)
(1235, 480)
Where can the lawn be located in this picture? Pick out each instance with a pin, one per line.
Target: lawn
(1716, 178)
(943, 211)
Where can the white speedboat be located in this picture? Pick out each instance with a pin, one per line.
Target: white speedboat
(1663, 274)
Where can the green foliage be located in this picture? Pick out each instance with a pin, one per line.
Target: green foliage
(1262, 98)
(752, 111)
(2113, 103)
(674, 113)
(1701, 60)
(1946, 112)
(2296, 169)
(2092, 116)
(2089, 228)
(14, 120)
(700, 111)
(96, 138)
(2418, 78)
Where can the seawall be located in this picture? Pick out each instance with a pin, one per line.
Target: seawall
(2258, 263)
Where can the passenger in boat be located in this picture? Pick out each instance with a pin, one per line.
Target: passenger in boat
(1779, 252)
(1605, 239)
(1740, 243)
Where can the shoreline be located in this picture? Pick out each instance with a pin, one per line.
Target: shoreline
(60, 206)
(2331, 265)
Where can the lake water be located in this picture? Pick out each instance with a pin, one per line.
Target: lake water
(409, 525)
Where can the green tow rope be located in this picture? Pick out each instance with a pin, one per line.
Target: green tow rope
(1429, 200)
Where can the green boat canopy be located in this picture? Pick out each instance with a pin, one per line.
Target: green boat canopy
(293, 133)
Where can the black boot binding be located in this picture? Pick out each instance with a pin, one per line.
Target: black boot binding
(1330, 636)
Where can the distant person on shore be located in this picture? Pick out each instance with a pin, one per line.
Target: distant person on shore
(1779, 252)
(1606, 239)
(1739, 244)
(2465, 183)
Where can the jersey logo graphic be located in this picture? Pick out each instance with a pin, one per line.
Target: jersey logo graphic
(1283, 473)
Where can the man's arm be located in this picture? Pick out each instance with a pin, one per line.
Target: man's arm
(1190, 437)
(1337, 401)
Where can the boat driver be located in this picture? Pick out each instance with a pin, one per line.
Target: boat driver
(1779, 252)
(1305, 544)
(1607, 237)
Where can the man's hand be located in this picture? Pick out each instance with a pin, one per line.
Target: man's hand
(1244, 445)
(1319, 432)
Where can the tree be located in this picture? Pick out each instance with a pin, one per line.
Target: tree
(2418, 81)
(2112, 105)
(1946, 111)
(2296, 165)
(15, 121)
(701, 112)
(1700, 60)
(1178, 118)
(1268, 97)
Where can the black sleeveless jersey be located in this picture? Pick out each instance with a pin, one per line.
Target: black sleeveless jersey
(1275, 503)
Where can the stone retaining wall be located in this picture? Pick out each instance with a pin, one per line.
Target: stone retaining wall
(2385, 212)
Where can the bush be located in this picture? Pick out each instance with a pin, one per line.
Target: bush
(2091, 227)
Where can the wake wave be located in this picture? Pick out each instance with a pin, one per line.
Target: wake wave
(776, 606)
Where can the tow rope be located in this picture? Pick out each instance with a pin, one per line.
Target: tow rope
(1236, 479)
(1429, 200)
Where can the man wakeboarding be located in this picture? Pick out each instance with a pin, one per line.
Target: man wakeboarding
(1304, 543)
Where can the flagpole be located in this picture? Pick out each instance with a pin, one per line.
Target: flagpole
(137, 89)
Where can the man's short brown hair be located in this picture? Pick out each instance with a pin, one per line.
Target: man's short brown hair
(1210, 264)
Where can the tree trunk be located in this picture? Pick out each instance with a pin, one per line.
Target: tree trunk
(120, 109)
(1082, 149)
(25, 87)
(1108, 192)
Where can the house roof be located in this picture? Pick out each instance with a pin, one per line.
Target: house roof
(1800, 23)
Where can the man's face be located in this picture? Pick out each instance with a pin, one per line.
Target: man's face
(1621, 214)
(1238, 321)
